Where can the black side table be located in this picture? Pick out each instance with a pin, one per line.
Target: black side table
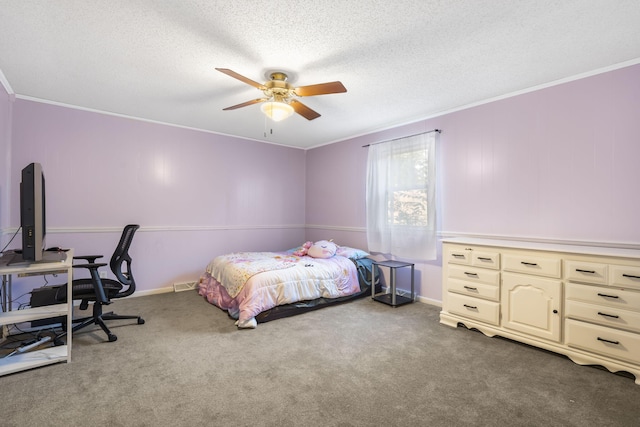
(392, 298)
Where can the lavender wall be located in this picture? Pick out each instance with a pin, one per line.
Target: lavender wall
(5, 138)
(195, 194)
(558, 163)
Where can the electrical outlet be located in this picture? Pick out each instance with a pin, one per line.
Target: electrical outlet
(103, 274)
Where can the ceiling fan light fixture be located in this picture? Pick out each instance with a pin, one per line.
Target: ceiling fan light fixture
(276, 110)
(280, 99)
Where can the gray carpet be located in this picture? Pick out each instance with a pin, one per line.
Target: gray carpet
(357, 364)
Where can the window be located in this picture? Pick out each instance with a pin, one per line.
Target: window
(401, 197)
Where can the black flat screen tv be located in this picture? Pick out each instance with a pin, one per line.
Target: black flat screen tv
(33, 212)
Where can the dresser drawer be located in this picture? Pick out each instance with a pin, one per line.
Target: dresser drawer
(624, 276)
(474, 308)
(604, 296)
(475, 275)
(457, 255)
(486, 259)
(588, 272)
(606, 316)
(610, 342)
(480, 290)
(540, 266)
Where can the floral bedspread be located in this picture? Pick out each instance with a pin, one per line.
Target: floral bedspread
(294, 279)
(233, 270)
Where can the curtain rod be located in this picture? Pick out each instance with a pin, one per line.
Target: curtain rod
(402, 137)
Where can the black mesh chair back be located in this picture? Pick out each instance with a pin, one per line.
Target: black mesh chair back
(121, 262)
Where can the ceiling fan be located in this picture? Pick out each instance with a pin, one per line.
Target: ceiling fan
(280, 96)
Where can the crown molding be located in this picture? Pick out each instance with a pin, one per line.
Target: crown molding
(7, 86)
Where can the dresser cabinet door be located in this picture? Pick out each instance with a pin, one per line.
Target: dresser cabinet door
(531, 305)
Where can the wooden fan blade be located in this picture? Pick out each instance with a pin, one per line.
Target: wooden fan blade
(245, 104)
(320, 89)
(303, 110)
(240, 77)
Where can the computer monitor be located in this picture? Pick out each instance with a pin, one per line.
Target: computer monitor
(33, 212)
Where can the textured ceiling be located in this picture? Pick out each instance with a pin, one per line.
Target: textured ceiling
(400, 61)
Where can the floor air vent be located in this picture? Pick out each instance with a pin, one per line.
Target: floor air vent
(184, 286)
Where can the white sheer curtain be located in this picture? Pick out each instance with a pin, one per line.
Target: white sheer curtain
(401, 211)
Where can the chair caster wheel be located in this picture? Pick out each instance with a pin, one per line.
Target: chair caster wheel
(140, 321)
(58, 342)
(112, 337)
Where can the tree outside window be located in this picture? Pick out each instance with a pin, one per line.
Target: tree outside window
(408, 203)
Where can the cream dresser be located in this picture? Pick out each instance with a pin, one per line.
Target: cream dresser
(580, 301)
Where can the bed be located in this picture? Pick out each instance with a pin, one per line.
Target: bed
(257, 287)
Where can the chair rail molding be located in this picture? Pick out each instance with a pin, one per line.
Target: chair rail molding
(537, 239)
(161, 228)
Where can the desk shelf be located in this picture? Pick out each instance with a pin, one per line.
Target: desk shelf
(33, 359)
(29, 314)
(43, 356)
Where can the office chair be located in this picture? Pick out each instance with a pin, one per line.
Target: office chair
(102, 291)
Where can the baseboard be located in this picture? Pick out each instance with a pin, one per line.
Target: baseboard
(164, 290)
(429, 301)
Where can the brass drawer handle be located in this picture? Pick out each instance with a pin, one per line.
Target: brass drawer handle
(469, 288)
(472, 307)
(585, 271)
(609, 315)
(471, 274)
(457, 255)
(609, 341)
(607, 296)
(484, 258)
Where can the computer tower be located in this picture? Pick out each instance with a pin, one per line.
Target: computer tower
(40, 297)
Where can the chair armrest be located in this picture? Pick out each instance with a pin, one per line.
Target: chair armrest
(89, 266)
(95, 280)
(88, 258)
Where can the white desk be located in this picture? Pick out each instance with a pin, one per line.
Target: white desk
(45, 356)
